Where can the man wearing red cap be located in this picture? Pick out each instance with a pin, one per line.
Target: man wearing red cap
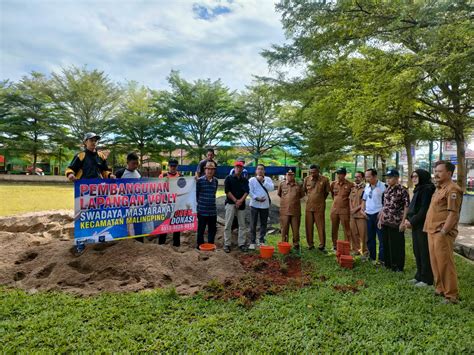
(236, 188)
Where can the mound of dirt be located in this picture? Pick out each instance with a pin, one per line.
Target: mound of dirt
(35, 255)
(262, 277)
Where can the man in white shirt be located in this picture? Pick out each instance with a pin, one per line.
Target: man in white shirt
(371, 207)
(131, 171)
(260, 202)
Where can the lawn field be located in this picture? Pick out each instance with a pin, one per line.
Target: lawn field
(20, 198)
(388, 315)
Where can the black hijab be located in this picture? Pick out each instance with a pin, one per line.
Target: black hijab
(424, 178)
(424, 183)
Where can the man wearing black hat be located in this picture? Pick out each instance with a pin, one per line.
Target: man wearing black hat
(89, 164)
(172, 173)
(392, 221)
(340, 211)
(316, 188)
(290, 193)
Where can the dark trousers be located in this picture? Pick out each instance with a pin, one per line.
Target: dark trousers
(422, 256)
(394, 248)
(211, 223)
(254, 214)
(176, 241)
(372, 231)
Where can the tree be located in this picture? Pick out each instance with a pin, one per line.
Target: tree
(29, 120)
(261, 130)
(202, 113)
(137, 125)
(87, 99)
(436, 37)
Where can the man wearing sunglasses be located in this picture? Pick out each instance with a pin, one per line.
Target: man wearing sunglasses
(371, 207)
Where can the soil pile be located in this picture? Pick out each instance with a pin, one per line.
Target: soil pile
(35, 254)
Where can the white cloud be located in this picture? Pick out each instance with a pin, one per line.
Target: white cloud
(140, 40)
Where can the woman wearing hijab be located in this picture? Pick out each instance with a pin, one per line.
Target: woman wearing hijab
(416, 215)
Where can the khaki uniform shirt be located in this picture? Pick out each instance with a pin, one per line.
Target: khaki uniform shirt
(290, 196)
(340, 192)
(446, 198)
(317, 191)
(355, 198)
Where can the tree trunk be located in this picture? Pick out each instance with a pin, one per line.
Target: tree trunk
(384, 166)
(461, 156)
(355, 164)
(35, 152)
(35, 158)
(365, 163)
(408, 145)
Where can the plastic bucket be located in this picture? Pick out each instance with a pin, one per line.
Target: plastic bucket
(207, 247)
(266, 252)
(284, 248)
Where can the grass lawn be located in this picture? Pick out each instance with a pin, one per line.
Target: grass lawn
(387, 316)
(23, 198)
(20, 198)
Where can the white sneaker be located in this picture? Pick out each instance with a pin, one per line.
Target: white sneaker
(258, 243)
(413, 281)
(252, 246)
(421, 284)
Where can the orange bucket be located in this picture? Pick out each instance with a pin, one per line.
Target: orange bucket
(207, 247)
(266, 252)
(284, 248)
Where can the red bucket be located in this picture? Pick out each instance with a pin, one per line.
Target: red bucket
(284, 248)
(207, 247)
(266, 252)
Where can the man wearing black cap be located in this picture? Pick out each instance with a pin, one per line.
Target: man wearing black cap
(392, 221)
(316, 188)
(290, 193)
(340, 211)
(172, 170)
(172, 173)
(89, 164)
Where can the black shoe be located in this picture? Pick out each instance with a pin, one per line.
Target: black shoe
(311, 247)
(78, 250)
(296, 247)
(227, 249)
(321, 248)
(243, 248)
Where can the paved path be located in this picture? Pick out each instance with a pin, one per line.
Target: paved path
(464, 244)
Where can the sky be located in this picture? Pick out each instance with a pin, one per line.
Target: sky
(140, 40)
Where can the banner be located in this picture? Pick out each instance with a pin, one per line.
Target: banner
(107, 209)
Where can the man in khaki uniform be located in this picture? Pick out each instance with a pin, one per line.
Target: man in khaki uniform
(290, 193)
(316, 188)
(340, 211)
(358, 218)
(441, 225)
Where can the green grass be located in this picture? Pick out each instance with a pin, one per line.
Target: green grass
(387, 316)
(36, 197)
(20, 198)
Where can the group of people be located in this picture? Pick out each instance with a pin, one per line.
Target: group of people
(369, 211)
